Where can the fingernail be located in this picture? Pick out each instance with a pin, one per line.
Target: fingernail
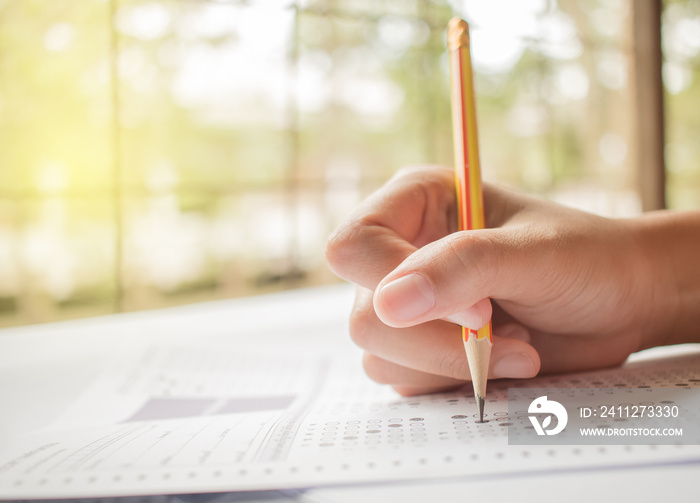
(514, 365)
(406, 298)
(470, 318)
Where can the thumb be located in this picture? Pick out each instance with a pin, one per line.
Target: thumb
(452, 279)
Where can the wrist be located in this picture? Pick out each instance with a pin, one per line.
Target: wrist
(669, 243)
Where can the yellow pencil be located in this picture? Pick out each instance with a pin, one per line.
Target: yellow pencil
(470, 200)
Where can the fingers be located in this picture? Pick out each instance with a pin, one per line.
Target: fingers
(572, 353)
(416, 207)
(434, 348)
(464, 265)
(453, 275)
(543, 265)
(432, 355)
(386, 372)
(553, 354)
(510, 359)
(401, 226)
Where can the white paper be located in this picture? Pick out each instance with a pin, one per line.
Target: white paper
(184, 418)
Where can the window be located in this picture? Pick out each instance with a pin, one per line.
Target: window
(681, 75)
(164, 152)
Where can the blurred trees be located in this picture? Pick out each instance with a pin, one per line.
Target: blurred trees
(162, 152)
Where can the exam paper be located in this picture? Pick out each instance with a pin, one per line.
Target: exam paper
(184, 418)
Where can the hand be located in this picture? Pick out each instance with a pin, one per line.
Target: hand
(570, 290)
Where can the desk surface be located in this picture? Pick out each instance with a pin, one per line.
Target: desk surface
(47, 367)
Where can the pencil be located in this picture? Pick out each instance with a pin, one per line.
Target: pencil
(470, 200)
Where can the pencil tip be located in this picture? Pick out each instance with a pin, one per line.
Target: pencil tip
(480, 407)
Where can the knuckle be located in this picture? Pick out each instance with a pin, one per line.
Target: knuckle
(332, 248)
(423, 172)
(375, 368)
(339, 247)
(409, 173)
(363, 321)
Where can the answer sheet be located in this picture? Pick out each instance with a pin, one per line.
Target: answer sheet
(169, 418)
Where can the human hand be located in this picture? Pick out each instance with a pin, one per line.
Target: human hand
(570, 290)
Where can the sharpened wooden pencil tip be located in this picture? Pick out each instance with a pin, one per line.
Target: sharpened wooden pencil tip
(480, 408)
(457, 34)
